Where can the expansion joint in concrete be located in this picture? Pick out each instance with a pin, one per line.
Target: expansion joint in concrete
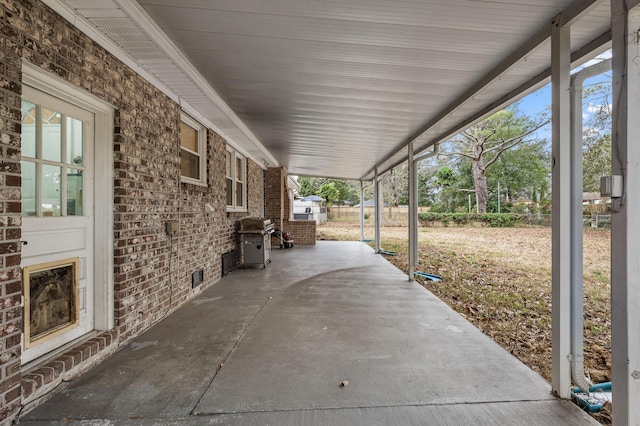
(231, 351)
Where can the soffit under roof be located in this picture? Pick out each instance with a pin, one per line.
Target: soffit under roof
(336, 87)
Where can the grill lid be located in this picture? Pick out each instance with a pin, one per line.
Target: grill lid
(255, 224)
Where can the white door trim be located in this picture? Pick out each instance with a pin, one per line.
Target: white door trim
(103, 184)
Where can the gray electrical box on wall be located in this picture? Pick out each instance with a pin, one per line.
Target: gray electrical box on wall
(172, 228)
(611, 186)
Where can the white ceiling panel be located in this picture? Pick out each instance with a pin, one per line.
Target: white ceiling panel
(338, 87)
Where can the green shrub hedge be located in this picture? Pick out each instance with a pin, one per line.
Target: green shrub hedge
(495, 220)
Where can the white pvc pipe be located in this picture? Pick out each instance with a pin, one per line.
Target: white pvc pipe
(576, 312)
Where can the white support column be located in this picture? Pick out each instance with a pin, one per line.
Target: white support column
(625, 218)
(361, 211)
(378, 210)
(561, 217)
(413, 213)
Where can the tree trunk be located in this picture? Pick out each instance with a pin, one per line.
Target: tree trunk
(480, 185)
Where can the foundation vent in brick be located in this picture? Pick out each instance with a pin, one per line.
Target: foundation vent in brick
(228, 262)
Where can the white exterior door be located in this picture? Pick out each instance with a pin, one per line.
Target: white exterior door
(57, 216)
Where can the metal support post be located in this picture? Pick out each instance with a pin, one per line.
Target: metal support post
(378, 209)
(361, 211)
(413, 213)
(625, 226)
(561, 216)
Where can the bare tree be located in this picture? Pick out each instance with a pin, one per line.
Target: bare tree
(486, 141)
(395, 185)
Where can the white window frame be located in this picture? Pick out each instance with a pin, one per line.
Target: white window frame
(202, 148)
(235, 206)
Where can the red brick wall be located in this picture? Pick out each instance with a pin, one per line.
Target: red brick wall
(146, 195)
(303, 232)
(152, 272)
(255, 190)
(13, 31)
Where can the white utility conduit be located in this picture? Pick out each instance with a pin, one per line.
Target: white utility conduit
(576, 314)
(379, 201)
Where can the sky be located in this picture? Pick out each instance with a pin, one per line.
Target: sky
(539, 100)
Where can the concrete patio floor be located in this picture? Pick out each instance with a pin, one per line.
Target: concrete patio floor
(273, 346)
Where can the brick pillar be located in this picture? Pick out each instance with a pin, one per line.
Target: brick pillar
(275, 195)
(287, 212)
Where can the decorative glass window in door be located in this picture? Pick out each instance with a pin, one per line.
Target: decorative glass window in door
(51, 162)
